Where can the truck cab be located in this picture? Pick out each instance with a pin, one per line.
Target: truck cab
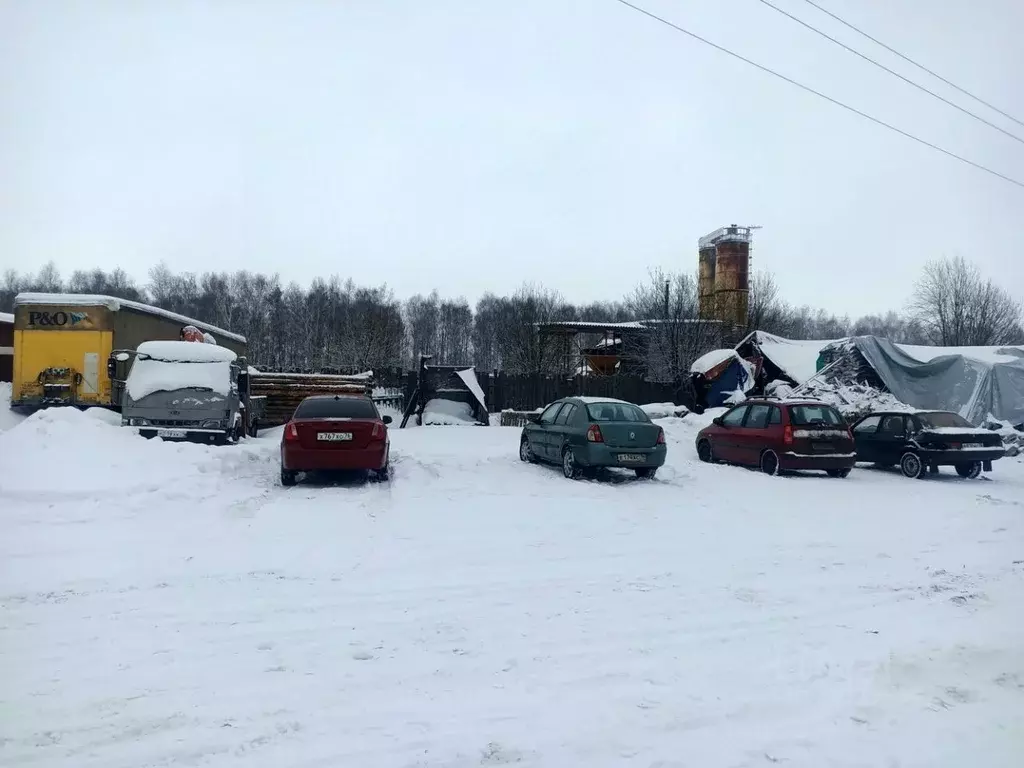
(182, 390)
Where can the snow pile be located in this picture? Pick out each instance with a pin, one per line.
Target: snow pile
(797, 358)
(99, 461)
(852, 400)
(1013, 439)
(8, 418)
(664, 410)
(448, 412)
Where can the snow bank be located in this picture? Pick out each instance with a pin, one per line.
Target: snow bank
(8, 418)
(664, 410)
(99, 460)
(448, 412)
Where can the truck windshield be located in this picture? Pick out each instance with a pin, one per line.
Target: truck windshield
(150, 374)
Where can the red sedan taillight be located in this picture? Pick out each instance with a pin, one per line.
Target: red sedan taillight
(661, 436)
(378, 431)
(594, 434)
(787, 435)
(291, 432)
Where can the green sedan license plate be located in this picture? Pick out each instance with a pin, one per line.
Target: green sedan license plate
(630, 458)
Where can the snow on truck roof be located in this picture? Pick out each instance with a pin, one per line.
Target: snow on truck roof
(114, 304)
(6, 317)
(186, 352)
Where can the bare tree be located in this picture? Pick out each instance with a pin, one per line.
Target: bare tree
(521, 347)
(667, 303)
(957, 306)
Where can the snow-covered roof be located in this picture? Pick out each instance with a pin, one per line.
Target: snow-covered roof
(796, 358)
(988, 355)
(114, 304)
(6, 317)
(595, 400)
(707, 361)
(186, 352)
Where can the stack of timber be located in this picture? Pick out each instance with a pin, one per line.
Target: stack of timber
(284, 391)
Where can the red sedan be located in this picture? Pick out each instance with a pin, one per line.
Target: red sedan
(335, 432)
(776, 435)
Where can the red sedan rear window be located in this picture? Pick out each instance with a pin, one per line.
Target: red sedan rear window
(342, 408)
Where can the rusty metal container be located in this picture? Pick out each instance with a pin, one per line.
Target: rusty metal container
(706, 281)
(732, 281)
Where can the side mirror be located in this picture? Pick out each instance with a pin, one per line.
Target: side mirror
(386, 419)
(717, 421)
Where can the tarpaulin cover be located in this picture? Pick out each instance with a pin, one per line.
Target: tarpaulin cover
(973, 382)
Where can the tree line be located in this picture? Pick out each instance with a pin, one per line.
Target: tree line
(338, 325)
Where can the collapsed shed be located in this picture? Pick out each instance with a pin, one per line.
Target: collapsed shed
(775, 358)
(975, 382)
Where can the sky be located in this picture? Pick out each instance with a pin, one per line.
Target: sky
(471, 146)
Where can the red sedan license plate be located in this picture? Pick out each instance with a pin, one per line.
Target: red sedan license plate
(334, 436)
(627, 458)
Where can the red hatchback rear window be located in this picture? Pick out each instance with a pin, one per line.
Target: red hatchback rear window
(815, 416)
(340, 408)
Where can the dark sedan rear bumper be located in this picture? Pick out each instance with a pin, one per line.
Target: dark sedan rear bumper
(820, 461)
(950, 458)
(299, 459)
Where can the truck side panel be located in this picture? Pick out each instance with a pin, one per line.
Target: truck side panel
(56, 366)
(132, 327)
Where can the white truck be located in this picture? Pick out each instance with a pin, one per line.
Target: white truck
(184, 390)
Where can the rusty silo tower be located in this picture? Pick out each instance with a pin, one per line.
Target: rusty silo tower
(727, 251)
(706, 279)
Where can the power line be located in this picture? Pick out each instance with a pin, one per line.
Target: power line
(819, 94)
(922, 67)
(881, 66)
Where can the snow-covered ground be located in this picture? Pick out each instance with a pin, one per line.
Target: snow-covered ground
(171, 605)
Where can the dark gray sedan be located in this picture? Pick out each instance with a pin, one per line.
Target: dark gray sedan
(586, 433)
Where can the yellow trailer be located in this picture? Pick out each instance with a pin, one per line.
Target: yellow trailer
(63, 344)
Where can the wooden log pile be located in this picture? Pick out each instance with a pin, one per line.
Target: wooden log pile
(284, 391)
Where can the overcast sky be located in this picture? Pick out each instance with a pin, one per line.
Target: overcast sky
(471, 145)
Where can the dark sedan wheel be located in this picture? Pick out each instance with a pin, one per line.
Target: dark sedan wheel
(911, 466)
(704, 452)
(970, 471)
(770, 463)
(839, 472)
(569, 467)
(525, 452)
(288, 478)
(645, 472)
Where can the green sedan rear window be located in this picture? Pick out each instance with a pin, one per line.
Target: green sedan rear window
(615, 412)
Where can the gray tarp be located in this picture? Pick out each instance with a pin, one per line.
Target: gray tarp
(977, 383)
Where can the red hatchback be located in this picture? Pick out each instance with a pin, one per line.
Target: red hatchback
(780, 435)
(335, 432)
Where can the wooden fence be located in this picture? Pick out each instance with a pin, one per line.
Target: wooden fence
(394, 387)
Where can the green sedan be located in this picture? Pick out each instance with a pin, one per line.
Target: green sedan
(584, 433)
